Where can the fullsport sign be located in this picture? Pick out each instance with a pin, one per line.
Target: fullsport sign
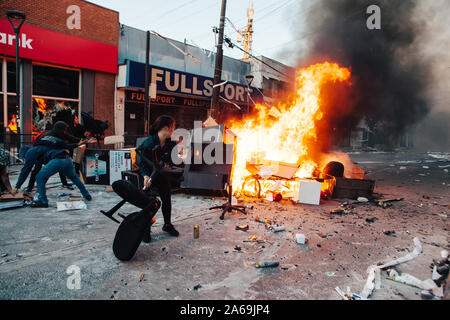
(182, 83)
(44, 45)
(169, 100)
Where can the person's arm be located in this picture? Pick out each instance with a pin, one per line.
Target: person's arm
(147, 167)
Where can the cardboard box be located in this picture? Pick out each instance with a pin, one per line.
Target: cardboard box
(308, 192)
(78, 154)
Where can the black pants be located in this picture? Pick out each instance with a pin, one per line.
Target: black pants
(162, 182)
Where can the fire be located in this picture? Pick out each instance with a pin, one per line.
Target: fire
(42, 105)
(284, 133)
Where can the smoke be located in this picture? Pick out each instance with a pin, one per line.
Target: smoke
(390, 73)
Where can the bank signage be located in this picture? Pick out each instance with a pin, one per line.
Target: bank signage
(186, 84)
(49, 46)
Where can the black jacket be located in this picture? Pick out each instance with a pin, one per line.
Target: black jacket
(152, 157)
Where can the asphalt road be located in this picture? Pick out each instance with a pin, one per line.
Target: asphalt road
(39, 246)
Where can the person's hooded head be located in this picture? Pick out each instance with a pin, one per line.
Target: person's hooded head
(59, 128)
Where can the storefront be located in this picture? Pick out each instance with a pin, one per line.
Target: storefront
(68, 64)
(184, 96)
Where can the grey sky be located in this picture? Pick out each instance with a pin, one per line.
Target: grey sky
(193, 20)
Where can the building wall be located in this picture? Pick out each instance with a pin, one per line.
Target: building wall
(104, 99)
(97, 22)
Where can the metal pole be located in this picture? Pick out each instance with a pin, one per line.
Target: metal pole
(219, 62)
(17, 76)
(147, 102)
(17, 15)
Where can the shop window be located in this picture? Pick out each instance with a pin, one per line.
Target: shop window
(11, 76)
(12, 116)
(48, 111)
(55, 82)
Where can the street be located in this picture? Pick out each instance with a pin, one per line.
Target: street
(37, 246)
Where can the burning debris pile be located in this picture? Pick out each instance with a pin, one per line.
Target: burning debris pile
(285, 141)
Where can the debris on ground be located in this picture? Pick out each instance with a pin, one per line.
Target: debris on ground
(63, 194)
(362, 199)
(242, 228)
(300, 238)
(387, 202)
(374, 273)
(337, 211)
(71, 205)
(276, 228)
(371, 220)
(196, 287)
(267, 264)
(390, 233)
(263, 220)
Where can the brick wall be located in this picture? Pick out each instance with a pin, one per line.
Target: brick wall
(97, 23)
(104, 99)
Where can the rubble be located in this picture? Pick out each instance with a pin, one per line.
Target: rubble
(267, 264)
(242, 228)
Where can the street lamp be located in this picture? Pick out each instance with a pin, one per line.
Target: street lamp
(17, 18)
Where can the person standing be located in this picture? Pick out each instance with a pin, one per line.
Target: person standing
(154, 149)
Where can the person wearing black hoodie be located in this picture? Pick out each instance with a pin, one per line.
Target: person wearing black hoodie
(34, 156)
(155, 154)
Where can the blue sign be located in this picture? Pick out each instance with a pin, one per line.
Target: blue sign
(177, 82)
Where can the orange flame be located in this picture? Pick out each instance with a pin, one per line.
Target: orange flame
(285, 133)
(42, 105)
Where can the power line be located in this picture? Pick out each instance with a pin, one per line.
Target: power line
(311, 32)
(168, 11)
(233, 45)
(276, 9)
(179, 20)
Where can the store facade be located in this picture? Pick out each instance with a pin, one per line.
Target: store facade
(180, 86)
(68, 61)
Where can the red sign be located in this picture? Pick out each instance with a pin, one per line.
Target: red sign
(49, 46)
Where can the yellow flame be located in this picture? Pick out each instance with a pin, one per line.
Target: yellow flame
(282, 135)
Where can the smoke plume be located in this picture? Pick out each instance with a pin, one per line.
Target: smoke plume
(390, 75)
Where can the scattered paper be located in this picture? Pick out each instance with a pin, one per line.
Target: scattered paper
(71, 205)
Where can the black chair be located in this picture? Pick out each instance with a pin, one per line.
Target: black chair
(129, 193)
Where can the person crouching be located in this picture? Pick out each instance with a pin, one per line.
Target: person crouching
(59, 161)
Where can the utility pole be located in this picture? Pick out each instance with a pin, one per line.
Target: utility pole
(219, 62)
(147, 98)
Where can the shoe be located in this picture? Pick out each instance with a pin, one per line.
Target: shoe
(147, 237)
(67, 186)
(170, 229)
(88, 197)
(38, 204)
